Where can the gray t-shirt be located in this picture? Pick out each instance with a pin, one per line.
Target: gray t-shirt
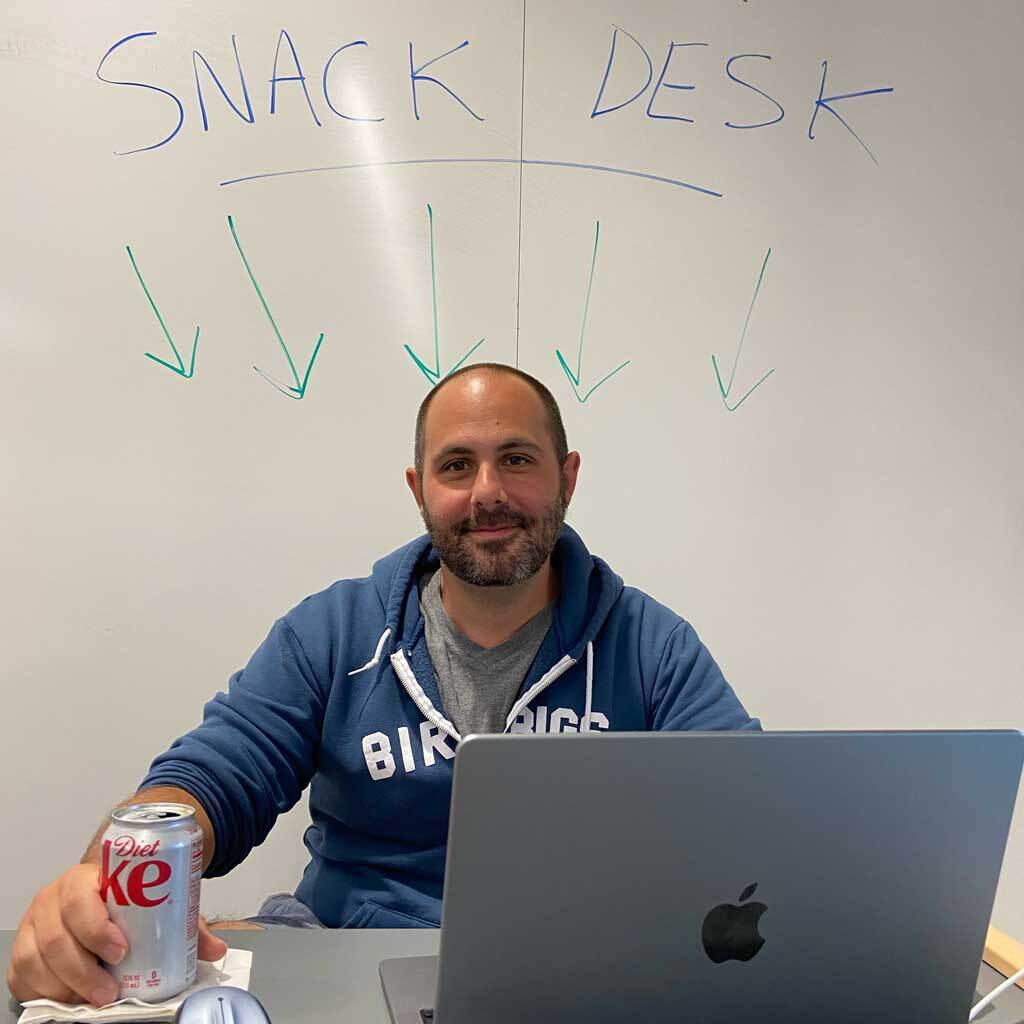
(478, 685)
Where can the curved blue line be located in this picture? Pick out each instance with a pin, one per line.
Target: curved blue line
(479, 160)
(623, 170)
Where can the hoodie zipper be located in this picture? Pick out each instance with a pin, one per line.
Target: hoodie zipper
(559, 668)
(419, 698)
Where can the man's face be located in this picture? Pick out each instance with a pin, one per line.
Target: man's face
(493, 496)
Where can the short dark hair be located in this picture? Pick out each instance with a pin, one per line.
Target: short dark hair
(551, 410)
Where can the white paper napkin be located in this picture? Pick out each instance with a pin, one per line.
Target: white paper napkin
(232, 969)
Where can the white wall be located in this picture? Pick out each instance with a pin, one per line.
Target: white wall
(849, 541)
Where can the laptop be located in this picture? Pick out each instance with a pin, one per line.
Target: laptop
(845, 877)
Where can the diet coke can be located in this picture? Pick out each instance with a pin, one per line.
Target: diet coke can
(151, 864)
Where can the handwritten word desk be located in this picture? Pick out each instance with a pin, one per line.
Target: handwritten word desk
(330, 977)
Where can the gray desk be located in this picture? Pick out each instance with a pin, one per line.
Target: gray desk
(330, 977)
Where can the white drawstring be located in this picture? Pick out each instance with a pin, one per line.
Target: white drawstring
(995, 993)
(585, 725)
(375, 660)
(565, 663)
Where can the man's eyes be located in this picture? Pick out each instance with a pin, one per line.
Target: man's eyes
(461, 465)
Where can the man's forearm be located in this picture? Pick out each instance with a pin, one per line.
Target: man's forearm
(159, 794)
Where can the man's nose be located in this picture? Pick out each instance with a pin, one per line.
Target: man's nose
(487, 487)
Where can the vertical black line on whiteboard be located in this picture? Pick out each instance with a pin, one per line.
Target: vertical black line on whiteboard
(519, 239)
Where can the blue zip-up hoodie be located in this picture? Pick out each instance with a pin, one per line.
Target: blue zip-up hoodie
(342, 694)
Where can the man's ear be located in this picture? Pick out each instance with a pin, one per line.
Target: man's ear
(412, 478)
(570, 471)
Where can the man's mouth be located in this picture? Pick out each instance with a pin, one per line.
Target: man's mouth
(494, 531)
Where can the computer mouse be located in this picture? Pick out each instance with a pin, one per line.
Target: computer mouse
(221, 1004)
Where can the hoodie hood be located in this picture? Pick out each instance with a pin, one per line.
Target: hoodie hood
(588, 590)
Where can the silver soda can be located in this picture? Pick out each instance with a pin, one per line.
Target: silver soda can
(150, 868)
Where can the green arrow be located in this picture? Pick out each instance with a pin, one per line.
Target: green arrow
(574, 378)
(180, 368)
(300, 386)
(434, 375)
(714, 362)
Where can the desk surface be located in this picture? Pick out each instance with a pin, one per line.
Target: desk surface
(330, 976)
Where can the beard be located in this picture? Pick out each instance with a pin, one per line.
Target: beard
(503, 561)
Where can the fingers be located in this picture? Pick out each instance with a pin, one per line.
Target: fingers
(210, 947)
(75, 966)
(55, 949)
(28, 977)
(49, 963)
(64, 931)
(85, 915)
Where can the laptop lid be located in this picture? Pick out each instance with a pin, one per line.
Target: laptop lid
(659, 877)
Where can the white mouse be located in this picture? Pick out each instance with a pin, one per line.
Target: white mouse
(222, 1004)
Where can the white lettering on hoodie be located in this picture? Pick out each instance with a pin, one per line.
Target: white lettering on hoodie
(380, 759)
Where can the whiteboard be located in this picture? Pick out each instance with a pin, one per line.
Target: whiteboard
(766, 256)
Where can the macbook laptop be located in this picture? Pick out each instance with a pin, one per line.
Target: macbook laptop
(716, 877)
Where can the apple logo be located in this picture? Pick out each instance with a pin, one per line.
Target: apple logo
(730, 932)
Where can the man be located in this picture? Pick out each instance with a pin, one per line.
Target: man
(498, 620)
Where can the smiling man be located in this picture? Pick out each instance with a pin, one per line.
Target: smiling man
(497, 620)
(493, 481)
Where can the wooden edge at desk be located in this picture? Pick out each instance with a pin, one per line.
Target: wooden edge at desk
(1004, 953)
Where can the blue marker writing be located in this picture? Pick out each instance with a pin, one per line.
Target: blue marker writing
(249, 115)
(327, 96)
(141, 85)
(416, 75)
(604, 81)
(753, 88)
(670, 85)
(300, 77)
(823, 103)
